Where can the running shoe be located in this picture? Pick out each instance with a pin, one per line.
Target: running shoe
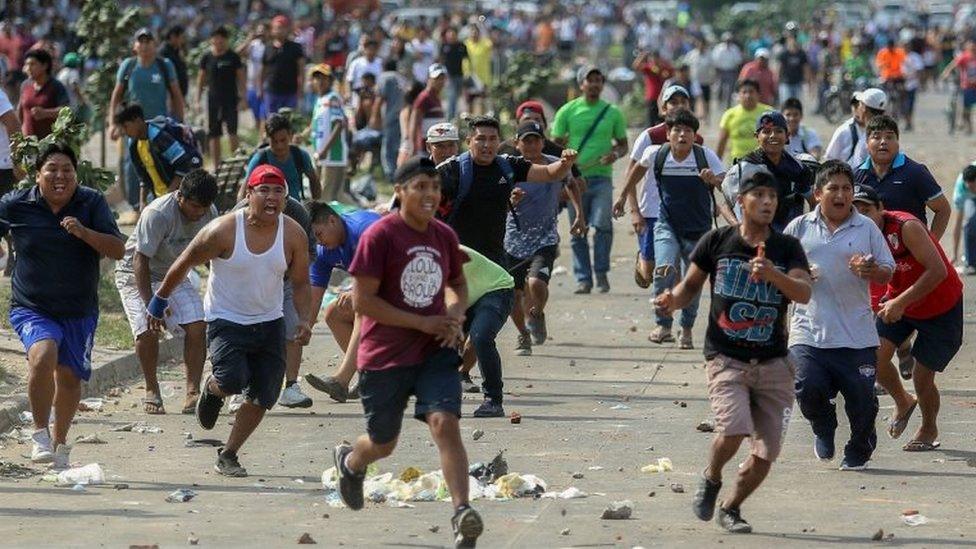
(62, 457)
(293, 397)
(823, 448)
(468, 385)
(731, 520)
(490, 408)
(523, 347)
(704, 503)
(41, 451)
(208, 405)
(467, 526)
(350, 484)
(602, 284)
(537, 327)
(228, 465)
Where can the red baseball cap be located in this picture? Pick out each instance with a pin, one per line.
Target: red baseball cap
(266, 174)
(280, 20)
(530, 105)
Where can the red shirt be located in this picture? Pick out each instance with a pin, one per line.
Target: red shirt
(966, 65)
(412, 268)
(654, 76)
(767, 80)
(428, 107)
(659, 135)
(908, 270)
(52, 94)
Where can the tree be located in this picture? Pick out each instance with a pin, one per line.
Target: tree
(68, 130)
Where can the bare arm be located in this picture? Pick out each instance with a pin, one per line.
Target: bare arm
(105, 244)
(140, 265)
(949, 68)
(176, 97)
(684, 292)
(301, 78)
(208, 244)
(628, 195)
(318, 295)
(242, 83)
(916, 239)
(113, 105)
(201, 85)
(367, 302)
(298, 275)
(542, 173)
(943, 211)
(314, 185)
(956, 235)
(794, 285)
(12, 125)
(723, 139)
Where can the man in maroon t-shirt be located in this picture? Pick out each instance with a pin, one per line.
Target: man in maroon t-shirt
(42, 96)
(427, 109)
(655, 71)
(411, 294)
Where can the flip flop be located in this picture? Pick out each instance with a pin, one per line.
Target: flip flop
(920, 446)
(897, 426)
(157, 402)
(642, 282)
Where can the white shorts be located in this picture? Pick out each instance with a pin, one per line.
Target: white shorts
(185, 305)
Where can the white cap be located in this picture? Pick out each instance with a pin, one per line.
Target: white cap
(762, 52)
(873, 98)
(436, 70)
(445, 131)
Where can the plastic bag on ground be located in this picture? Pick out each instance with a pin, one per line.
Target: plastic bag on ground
(663, 465)
(569, 493)
(514, 485)
(89, 474)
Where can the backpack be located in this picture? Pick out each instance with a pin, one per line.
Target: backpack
(264, 152)
(131, 68)
(854, 140)
(661, 156)
(182, 133)
(467, 179)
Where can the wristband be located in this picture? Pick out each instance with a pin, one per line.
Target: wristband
(157, 306)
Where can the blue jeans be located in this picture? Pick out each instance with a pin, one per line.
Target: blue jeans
(672, 257)
(597, 204)
(455, 85)
(391, 147)
(485, 318)
(820, 374)
(969, 232)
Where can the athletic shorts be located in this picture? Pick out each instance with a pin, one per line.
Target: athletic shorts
(220, 113)
(752, 399)
(706, 92)
(273, 102)
(255, 104)
(538, 265)
(248, 359)
(939, 338)
(435, 382)
(645, 240)
(185, 305)
(968, 98)
(74, 337)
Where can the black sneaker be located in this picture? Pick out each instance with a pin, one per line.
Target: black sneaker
(823, 447)
(228, 465)
(468, 385)
(731, 521)
(537, 327)
(467, 526)
(583, 288)
(330, 386)
(354, 391)
(602, 284)
(350, 484)
(523, 346)
(490, 408)
(208, 405)
(704, 503)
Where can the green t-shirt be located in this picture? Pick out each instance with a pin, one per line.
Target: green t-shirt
(741, 126)
(574, 119)
(484, 276)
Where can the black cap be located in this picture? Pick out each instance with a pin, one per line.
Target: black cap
(529, 128)
(761, 178)
(413, 167)
(866, 193)
(144, 32)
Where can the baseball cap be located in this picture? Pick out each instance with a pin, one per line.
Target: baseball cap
(762, 52)
(280, 20)
(439, 133)
(771, 118)
(322, 68)
(759, 178)
(436, 70)
(532, 106)
(414, 166)
(529, 128)
(72, 60)
(867, 194)
(266, 174)
(585, 71)
(673, 90)
(872, 98)
(144, 32)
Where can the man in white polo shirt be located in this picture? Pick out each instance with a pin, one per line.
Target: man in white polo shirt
(849, 142)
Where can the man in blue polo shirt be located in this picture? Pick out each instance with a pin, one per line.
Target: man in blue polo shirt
(60, 231)
(902, 184)
(337, 235)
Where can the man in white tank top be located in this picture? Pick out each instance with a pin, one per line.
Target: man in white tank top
(250, 252)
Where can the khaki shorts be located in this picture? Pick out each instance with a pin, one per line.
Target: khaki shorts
(752, 399)
(333, 181)
(185, 305)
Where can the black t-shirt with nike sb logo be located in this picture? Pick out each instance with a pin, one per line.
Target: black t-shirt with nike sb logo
(747, 320)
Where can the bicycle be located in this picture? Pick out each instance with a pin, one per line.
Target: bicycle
(895, 90)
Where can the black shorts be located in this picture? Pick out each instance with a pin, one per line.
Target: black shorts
(7, 181)
(939, 338)
(538, 265)
(220, 113)
(706, 92)
(435, 382)
(248, 359)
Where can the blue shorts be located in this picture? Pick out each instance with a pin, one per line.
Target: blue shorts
(435, 382)
(645, 240)
(74, 337)
(274, 101)
(968, 98)
(255, 104)
(939, 338)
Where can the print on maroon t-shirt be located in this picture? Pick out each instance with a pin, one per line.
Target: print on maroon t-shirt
(413, 268)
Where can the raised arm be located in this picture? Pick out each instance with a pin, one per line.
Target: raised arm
(542, 173)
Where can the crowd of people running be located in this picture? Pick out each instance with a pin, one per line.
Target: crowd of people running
(824, 262)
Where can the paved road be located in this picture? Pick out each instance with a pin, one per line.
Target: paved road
(589, 398)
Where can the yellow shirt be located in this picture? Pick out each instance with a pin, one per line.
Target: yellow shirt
(741, 127)
(159, 186)
(479, 59)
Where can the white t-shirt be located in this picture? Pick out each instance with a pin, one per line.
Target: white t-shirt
(839, 147)
(653, 199)
(6, 163)
(423, 57)
(804, 141)
(649, 199)
(361, 66)
(255, 59)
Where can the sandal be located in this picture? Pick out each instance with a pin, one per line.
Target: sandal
(153, 406)
(897, 426)
(921, 446)
(642, 282)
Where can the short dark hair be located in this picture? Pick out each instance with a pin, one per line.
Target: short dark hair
(221, 31)
(57, 147)
(127, 112)
(747, 82)
(199, 186)
(175, 30)
(368, 76)
(276, 122)
(390, 64)
(969, 173)
(682, 117)
(831, 168)
(792, 103)
(881, 123)
(412, 93)
(41, 56)
(319, 212)
(484, 122)
(417, 165)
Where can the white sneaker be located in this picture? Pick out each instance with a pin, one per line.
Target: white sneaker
(62, 457)
(293, 397)
(41, 451)
(234, 403)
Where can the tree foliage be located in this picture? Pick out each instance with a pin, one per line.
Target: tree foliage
(67, 130)
(523, 77)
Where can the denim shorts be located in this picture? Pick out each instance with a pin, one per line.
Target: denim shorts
(435, 382)
(248, 359)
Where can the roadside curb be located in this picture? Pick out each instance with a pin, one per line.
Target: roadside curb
(111, 373)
